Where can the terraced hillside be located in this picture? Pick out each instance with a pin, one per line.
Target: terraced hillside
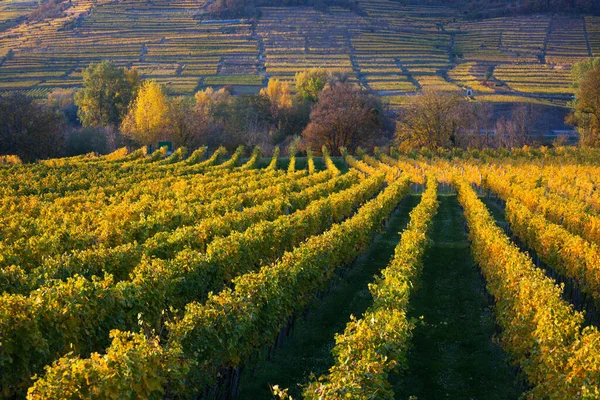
(388, 47)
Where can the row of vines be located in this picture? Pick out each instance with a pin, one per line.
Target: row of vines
(138, 275)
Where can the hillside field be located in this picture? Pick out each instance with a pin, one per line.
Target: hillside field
(390, 48)
(213, 275)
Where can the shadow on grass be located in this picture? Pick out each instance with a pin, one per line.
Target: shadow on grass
(454, 355)
(309, 348)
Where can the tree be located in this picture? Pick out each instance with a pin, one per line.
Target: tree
(580, 70)
(233, 121)
(586, 108)
(344, 116)
(290, 114)
(106, 94)
(432, 119)
(212, 103)
(188, 126)
(479, 127)
(310, 83)
(279, 94)
(148, 118)
(30, 130)
(248, 121)
(523, 117)
(509, 133)
(64, 100)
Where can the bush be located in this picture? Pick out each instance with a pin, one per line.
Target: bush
(86, 140)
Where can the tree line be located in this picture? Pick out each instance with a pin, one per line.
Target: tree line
(116, 107)
(471, 8)
(250, 8)
(444, 120)
(476, 9)
(584, 6)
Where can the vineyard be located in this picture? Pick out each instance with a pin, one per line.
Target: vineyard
(216, 275)
(385, 46)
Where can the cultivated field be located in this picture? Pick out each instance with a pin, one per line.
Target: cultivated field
(151, 276)
(388, 47)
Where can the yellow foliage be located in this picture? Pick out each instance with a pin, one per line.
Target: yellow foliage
(148, 117)
(10, 160)
(208, 100)
(279, 93)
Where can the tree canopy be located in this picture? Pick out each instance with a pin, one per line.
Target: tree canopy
(106, 94)
(432, 119)
(310, 83)
(344, 116)
(30, 130)
(586, 106)
(148, 118)
(581, 69)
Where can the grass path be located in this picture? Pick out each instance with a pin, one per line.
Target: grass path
(309, 348)
(453, 355)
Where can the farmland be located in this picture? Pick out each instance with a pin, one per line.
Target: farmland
(227, 222)
(176, 275)
(390, 48)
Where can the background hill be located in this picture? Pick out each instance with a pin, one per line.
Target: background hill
(387, 46)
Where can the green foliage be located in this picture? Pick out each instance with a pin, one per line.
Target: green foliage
(580, 69)
(292, 150)
(235, 158)
(218, 259)
(86, 140)
(310, 83)
(249, 110)
(253, 160)
(273, 164)
(177, 156)
(311, 162)
(135, 367)
(195, 266)
(586, 105)
(196, 156)
(106, 94)
(330, 165)
(542, 332)
(161, 275)
(252, 314)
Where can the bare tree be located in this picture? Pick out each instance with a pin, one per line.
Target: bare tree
(478, 128)
(344, 116)
(432, 119)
